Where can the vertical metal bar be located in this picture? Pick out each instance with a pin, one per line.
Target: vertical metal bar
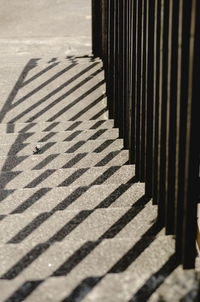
(96, 28)
(126, 73)
(162, 111)
(191, 147)
(137, 89)
(171, 118)
(133, 77)
(150, 61)
(104, 20)
(120, 68)
(142, 93)
(181, 124)
(115, 62)
(111, 43)
(156, 96)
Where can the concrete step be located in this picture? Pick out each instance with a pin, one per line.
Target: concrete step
(53, 136)
(39, 200)
(67, 160)
(110, 288)
(34, 228)
(55, 126)
(65, 177)
(85, 259)
(114, 287)
(21, 149)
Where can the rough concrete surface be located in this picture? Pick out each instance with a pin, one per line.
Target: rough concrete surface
(75, 225)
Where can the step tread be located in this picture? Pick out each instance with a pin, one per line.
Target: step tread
(72, 198)
(95, 255)
(56, 126)
(86, 224)
(65, 177)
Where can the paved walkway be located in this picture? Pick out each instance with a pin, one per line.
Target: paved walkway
(75, 224)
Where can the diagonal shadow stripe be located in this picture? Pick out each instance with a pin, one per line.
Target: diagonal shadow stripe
(97, 134)
(47, 137)
(81, 291)
(45, 161)
(30, 201)
(75, 147)
(41, 72)
(70, 226)
(104, 145)
(72, 136)
(27, 230)
(114, 196)
(87, 108)
(7, 105)
(136, 250)
(100, 113)
(105, 175)
(13, 162)
(77, 100)
(40, 178)
(58, 100)
(35, 252)
(25, 261)
(121, 265)
(89, 246)
(65, 203)
(41, 101)
(39, 249)
(27, 127)
(76, 258)
(10, 128)
(51, 126)
(72, 178)
(143, 294)
(6, 177)
(73, 126)
(150, 286)
(5, 193)
(78, 157)
(24, 291)
(110, 156)
(97, 124)
(53, 78)
(2, 217)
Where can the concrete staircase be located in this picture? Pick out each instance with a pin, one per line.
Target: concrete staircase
(75, 224)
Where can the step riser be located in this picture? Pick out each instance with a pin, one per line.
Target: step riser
(58, 161)
(64, 147)
(56, 126)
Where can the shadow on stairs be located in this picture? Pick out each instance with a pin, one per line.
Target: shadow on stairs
(75, 223)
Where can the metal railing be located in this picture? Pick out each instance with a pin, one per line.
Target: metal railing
(151, 55)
